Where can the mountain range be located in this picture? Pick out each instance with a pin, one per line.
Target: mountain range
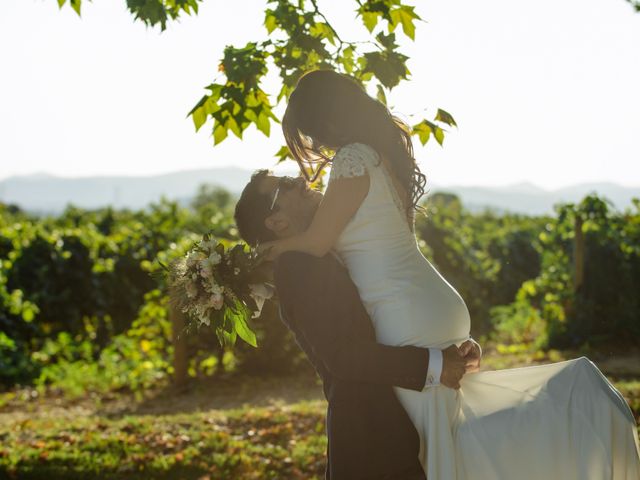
(44, 193)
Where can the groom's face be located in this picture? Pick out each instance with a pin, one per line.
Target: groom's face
(294, 207)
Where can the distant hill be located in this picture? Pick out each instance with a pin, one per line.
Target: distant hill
(48, 193)
(532, 200)
(45, 193)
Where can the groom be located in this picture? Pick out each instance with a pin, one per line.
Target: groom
(369, 434)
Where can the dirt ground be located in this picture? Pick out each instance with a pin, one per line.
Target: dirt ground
(230, 393)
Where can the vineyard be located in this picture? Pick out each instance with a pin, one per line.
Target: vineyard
(82, 306)
(85, 315)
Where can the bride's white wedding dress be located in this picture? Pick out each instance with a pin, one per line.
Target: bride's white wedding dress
(562, 421)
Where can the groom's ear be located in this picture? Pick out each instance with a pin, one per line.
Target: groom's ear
(277, 223)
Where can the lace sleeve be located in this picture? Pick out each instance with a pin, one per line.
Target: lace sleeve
(352, 160)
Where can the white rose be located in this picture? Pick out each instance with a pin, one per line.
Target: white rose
(201, 310)
(191, 260)
(206, 273)
(205, 319)
(216, 289)
(181, 268)
(192, 289)
(208, 244)
(214, 258)
(260, 292)
(203, 265)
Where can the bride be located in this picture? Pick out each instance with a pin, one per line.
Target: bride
(558, 421)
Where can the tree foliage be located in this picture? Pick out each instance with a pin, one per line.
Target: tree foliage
(552, 309)
(297, 37)
(485, 256)
(635, 4)
(79, 305)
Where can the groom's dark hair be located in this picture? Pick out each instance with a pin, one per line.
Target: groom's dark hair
(251, 211)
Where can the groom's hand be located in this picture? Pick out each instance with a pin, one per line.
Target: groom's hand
(472, 353)
(453, 367)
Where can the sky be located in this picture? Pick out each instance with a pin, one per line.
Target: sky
(543, 92)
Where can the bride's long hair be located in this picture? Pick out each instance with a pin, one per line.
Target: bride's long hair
(328, 110)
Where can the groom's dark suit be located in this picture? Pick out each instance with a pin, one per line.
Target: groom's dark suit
(369, 434)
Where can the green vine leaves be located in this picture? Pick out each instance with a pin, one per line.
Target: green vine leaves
(150, 12)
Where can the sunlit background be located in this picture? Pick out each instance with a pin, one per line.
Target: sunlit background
(543, 92)
(104, 181)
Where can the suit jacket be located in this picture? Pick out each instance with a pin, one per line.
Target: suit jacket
(369, 434)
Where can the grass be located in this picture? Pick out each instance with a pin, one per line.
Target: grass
(264, 443)
(242, 429)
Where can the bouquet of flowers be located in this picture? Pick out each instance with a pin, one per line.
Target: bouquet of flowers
(220, 288)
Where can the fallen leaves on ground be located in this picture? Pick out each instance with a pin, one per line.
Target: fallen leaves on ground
(274, 442)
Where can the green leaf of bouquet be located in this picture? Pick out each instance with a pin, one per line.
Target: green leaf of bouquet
(244, 332)
(226, 339)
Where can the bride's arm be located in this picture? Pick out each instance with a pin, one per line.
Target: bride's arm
(341, 201)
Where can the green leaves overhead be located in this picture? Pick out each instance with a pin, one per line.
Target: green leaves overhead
(151, 12)
(282, 154)
(425, 128)
(635, 4)
(154, 12)
(404, 16)
(298, 37)
(387, 65)
(240, 101)
(391, 11)
(301, 38)
(75, 4)
(445, 117)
